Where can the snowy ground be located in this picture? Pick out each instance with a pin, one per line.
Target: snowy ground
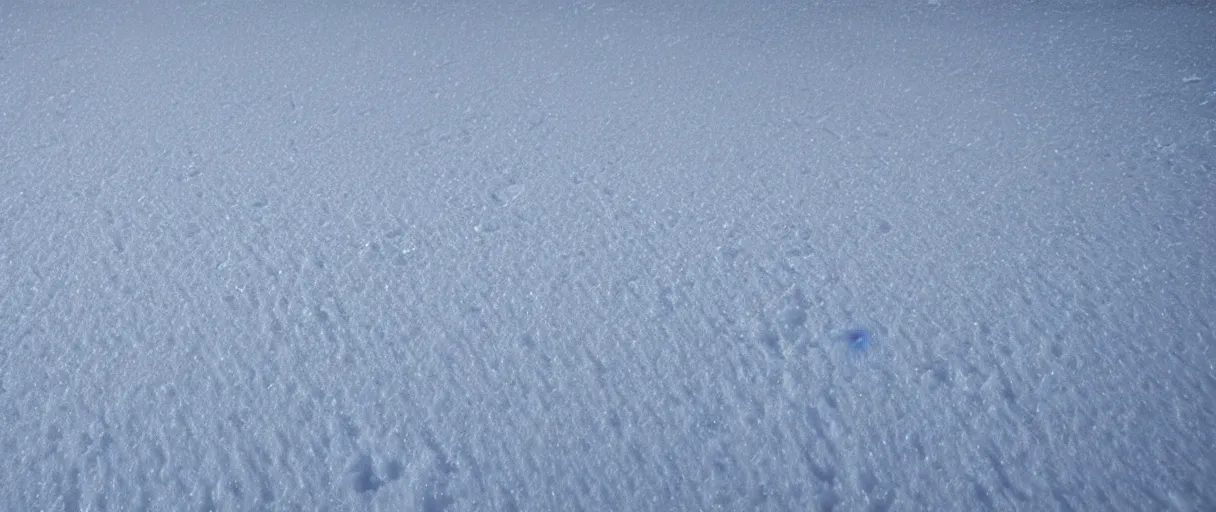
(495, 256)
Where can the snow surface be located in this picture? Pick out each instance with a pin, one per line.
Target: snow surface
(481, 255)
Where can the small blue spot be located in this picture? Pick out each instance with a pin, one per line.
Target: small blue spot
(858, 339)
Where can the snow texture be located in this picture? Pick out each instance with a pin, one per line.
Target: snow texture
(563, 255)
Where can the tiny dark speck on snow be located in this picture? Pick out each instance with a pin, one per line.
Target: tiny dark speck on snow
(858, 339)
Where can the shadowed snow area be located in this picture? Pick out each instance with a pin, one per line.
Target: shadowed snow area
(621, 255)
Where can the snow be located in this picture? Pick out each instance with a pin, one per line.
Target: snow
(469, 255)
